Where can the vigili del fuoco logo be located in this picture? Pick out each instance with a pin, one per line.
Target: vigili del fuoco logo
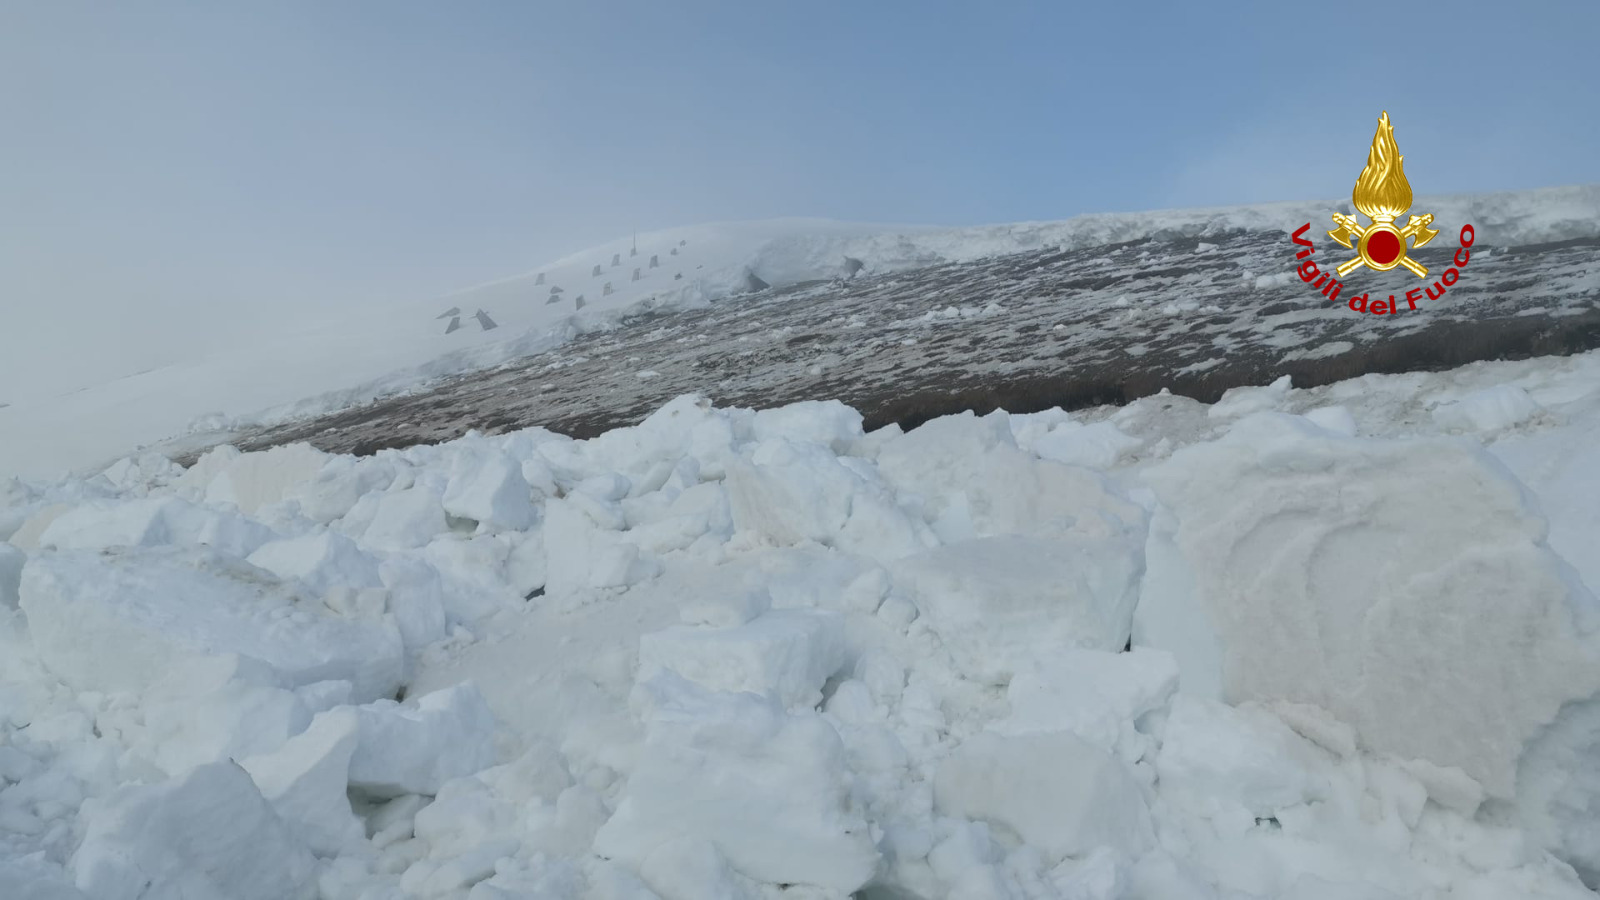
(1382, 194)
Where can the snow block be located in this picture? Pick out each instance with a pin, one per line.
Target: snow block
(1488, 410)
(116, 622)
(827, 422)
(36, 878)
(1056, 792)
(207, 834)
(319, 561)
(488, 488)
(415, 747)
(1093, 694)
(11, 563)
(785, 654)
(153, 522)
(791, 492)
(1558, 789)
(416, 599)
(999, 602)
(404, 520)
(340, 484)
(1336, 419)
(214, 708)
(691, 869)
(305, 781)
(583, 556)
(1098, 445)
(1219, 761)
(770, 791)
(1403, 586)
(253, 480)
(972, 480)
(1242, 401)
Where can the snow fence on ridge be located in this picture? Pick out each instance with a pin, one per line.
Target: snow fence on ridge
(751, 655)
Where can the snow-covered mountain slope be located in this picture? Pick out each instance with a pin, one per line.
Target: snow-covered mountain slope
(771, 656)
(1196, 313)
(311, 368)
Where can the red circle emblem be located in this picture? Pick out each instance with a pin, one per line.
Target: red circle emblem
(1383, 247)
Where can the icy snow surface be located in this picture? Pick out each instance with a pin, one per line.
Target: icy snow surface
(741, 655)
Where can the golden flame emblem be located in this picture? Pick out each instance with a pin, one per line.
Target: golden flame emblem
(1383, 194)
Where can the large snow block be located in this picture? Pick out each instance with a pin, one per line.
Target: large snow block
(972, 480)
(404, 520)
(207, 834)
(11, 562)
(153, 522)
(415, 747)
(489, 489)
(826, 422)
(583, 556)
(1225, 762)
(769, 790)
(305, 781)
(1095, 694)
(997, 603)
(116, 622)
(36, 878)
(789, 492)
(253, 480)
(1403, 586)
(1056, 792)
(320, 561)
(216, 708)
(787, 654)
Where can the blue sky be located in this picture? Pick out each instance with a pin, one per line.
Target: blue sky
(225, 161)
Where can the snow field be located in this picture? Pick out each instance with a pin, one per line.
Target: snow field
(1298, 644)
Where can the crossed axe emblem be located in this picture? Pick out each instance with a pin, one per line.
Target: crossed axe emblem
(1381, 246)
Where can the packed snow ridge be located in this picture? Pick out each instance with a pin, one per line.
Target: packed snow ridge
(1318, 644)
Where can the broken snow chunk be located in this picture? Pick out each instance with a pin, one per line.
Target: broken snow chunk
(153, 522)
(11, 563)
(1221, 761)
(1242, 401)
(1056, 792)
(1099, 445)
(214, 708)
(786, 654)
(581, 556)
(207, 834)
(321, 561)
(827, 422)
(727, 608)
(1378, 580)
(690, 868)
(416, 598)
(769, 790)
(405, 520)
(1336, 419)
(252, 480)
(1091, 693)
(489, 489)
(1001, 601)
(608, 487)
(118, 622)
(1488, 410)
(306, 778)
(415, 747)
